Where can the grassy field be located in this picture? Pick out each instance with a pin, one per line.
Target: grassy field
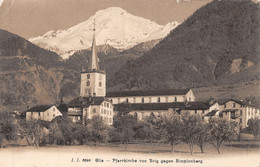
(232, 154)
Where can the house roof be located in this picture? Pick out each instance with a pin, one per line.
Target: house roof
(230, 110)
(148, 106)
(86, 101)
(198, 105)
(212, 113)
(244, 103)
(148, 93)
(62, 107)
(39, 108)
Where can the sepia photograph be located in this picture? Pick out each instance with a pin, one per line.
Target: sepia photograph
(124, 83)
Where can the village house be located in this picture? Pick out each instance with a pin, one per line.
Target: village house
(83, 108)
(42, 112)
(152, 96)
(238, 111)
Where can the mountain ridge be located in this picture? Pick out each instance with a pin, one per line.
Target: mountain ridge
(114, 26)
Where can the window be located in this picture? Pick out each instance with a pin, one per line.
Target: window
(202, 118)
(94, 94)
(225, 106)
(203, 111)
(127, 100)
(39, 114)
(240, 120)
(111, 100)
(53, 115)
(88, 83)
(234, 105)
(175, 98)
(189, 98)
(159, 99)
(101, 111)
(195, 111)
(240, 112)
(88, 76)
(100, 84)
(107, 105)
(142, 100)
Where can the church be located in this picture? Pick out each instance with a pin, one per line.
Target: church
(95, 101)
(92, 100)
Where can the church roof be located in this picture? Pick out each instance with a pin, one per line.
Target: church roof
(93, 65)
(148, 106)
(196, 105)
(148, 93)
(86, 101)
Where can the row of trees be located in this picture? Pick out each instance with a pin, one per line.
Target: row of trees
(174, 129)
(169, 128)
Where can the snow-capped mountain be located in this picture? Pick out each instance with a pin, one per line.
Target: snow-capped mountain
(114, 26)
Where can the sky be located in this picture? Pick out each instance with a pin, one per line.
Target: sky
(1, 1)
(31, 18)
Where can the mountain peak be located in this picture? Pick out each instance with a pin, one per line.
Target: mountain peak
(114, 26)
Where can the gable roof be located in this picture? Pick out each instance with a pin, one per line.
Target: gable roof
(148, 93)
(211, 113)
(87, 101)
(147, 106)
(243, 103)
(198, 105)
(39, 108)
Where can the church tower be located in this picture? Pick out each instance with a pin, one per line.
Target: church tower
(93, 80)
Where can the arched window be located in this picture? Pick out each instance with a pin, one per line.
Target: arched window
(88, 76)
(159, 99)
(100, 84)
(88, 83)
(142, 100)
(175, 98)
(127, 100)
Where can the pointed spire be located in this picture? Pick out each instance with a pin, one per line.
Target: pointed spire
(93, 66)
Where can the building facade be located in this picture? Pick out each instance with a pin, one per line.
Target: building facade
(43, 112)
(92, 101)
(152, 96)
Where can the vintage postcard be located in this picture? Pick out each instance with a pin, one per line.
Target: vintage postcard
(129, 83)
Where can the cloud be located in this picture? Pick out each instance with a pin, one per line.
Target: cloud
(178, 1)
(1, 1)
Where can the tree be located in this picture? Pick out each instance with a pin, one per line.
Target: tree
(124, 125)
(33, 129)
(195, 131)
(98, 131)
(8, 129)
(254, 126)
(222, 131)
(147, 130)
(203, 135)
(55, 134)
(170, 125)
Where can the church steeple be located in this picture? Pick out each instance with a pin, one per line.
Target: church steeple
(94, 65)
(93, 80)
